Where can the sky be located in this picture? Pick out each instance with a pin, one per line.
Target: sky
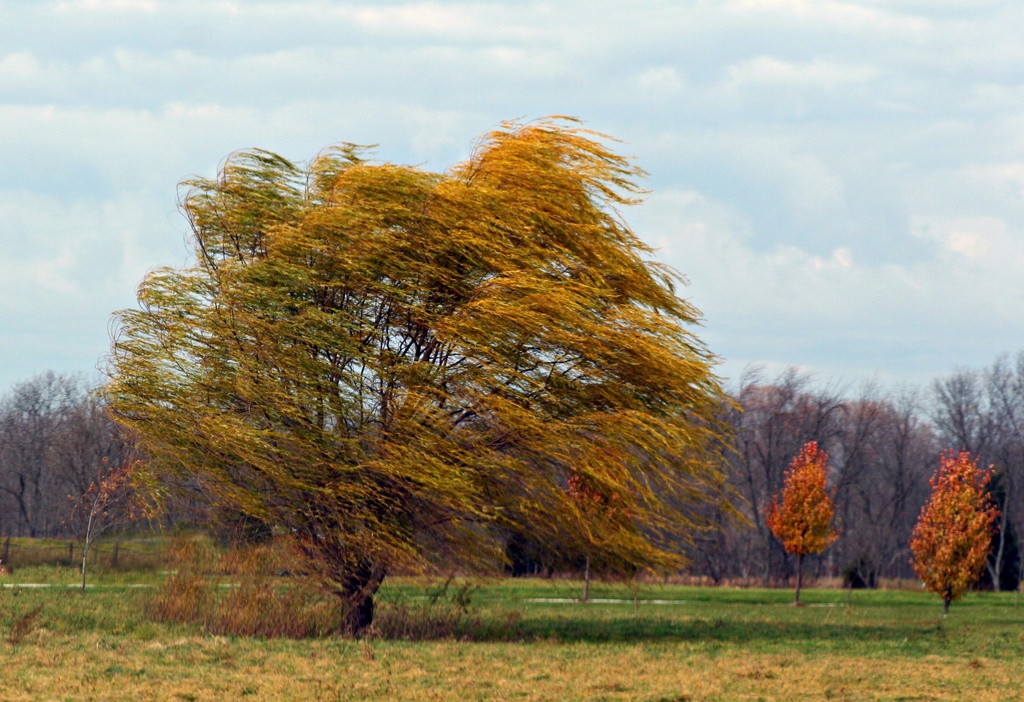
(840, 181)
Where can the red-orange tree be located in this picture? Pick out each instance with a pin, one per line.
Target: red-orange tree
(802, 520)
(953, 535)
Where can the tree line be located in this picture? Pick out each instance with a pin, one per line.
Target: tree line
(57, 438)
(884, 447)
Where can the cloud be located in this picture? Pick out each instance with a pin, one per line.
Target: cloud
(849, 15)
(431, 19)
(768, 70)
(664, 80)
(842, 180)
(788, 305)
(975, 240)
(106, 6)
(66, 265)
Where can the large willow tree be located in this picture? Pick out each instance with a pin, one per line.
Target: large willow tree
(393, 366)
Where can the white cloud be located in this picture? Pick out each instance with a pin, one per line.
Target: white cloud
(817, 74)
(664, 80)
(421, 18)
(1002, 177)
(66, 265)
(840, 258)
(107, 5)
(975, 239)
(849, 15)
(20, 67)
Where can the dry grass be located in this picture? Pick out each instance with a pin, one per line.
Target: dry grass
(23, 624)
(240, 593)
(237, 593)
(95, 666)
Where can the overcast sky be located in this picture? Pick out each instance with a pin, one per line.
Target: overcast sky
(841, 182)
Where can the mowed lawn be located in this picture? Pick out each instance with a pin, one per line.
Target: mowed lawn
(527, 641)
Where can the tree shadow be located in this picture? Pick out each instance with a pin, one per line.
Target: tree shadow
(724, 631)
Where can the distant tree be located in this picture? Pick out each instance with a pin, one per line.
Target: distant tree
(802, 519)
(108, 502)
(390, 365)
(33, 420)
(1004, 403)
(55, 437)
(953, 535)
(879, 467)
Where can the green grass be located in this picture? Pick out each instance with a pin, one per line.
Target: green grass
(698, 644)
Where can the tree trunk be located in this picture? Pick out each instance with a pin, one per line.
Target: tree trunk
(586, 579)
(799, 578)
(945, 605)
(995, 562)
(359, 609)
(85, 559)
(356, 596)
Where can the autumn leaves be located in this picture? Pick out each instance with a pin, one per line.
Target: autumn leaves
(949, 544)
(802, 519)
(954, 532)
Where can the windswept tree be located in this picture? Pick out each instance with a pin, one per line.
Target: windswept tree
(954, 533)
(389, 365)
(802, 519)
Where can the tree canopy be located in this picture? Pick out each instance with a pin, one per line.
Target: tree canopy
(392, 365)
(802, 519)
(953, 535)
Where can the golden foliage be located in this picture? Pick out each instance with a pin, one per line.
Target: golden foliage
(389, 363)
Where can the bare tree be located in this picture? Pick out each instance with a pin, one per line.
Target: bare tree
(55, 436)
(883, 452)
(960, 413)
(887, 453)
(1004, 395)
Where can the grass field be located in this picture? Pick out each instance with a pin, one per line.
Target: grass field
(523, 640)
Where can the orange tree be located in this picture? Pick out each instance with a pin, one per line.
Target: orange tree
(802, 520)
(392, 366)
(953, 535)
